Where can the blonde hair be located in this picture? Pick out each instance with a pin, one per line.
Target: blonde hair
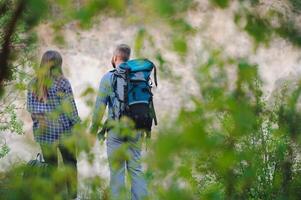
(50, 69)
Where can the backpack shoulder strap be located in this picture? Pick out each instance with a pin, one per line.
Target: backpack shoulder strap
(155, 73)
(113, 78)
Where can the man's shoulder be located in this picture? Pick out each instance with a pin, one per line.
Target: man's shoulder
(110, 73)
(106, 81)
(107, 76)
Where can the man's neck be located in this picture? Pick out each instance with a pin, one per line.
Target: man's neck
(118, 63)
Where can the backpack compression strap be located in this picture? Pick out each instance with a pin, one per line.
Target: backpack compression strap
(155, 76)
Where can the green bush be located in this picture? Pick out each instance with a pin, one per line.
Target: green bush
(231, 144)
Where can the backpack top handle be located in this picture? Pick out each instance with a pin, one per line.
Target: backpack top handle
(140, 65)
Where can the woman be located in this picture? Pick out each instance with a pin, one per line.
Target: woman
(53, 111)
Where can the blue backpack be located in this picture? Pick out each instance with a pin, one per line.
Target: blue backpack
(132, 91)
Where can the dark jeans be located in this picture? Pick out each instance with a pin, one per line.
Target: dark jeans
(50, 156)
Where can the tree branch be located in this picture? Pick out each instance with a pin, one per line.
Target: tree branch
(5, 72)
(3, 8)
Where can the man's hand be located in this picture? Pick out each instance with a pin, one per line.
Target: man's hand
(93, 132)
(91, 140)
(101, 136)
(94, 128)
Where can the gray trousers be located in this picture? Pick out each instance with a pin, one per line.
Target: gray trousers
(125, 155)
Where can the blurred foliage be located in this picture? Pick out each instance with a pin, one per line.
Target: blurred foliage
(258, 28)
(296, 4)
(4, 150)
(16, 38)
(231, 144)
(221, 3)
(263, 27)
(13, 124)
(173, 13)
(22, 46)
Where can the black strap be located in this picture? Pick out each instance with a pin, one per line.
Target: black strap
(105, 128)
(114, 86)
(153, 112)
(39, 157)
(155, 75)
(126, 90)
(114, 91)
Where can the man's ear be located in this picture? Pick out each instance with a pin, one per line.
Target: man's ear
(115, 58)
(113, 61)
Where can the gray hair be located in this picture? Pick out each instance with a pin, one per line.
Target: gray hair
(123, 51)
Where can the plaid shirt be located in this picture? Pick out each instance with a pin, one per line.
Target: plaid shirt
(55, 117)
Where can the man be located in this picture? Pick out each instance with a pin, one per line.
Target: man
(116, 144)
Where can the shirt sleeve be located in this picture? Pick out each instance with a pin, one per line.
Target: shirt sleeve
(34, 106)
(103, 96)
(67, 102)
(104, 91)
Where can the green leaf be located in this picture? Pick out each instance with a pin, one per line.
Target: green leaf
(180, 45)
(220, 3)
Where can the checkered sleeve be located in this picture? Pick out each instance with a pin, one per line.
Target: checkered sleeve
(34, 106)
(68, 103)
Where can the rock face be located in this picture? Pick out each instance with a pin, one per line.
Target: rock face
(87, 55)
